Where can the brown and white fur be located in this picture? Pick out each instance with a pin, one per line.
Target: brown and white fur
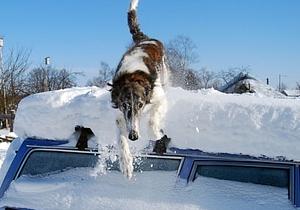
(139, 81)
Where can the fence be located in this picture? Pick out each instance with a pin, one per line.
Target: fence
(8, 120)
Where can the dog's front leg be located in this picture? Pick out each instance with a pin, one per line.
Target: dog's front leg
(125, 157)
(157, 114)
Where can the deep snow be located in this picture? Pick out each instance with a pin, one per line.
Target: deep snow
(78, 189)
(207, 119)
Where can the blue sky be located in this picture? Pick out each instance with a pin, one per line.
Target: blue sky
(78, 34)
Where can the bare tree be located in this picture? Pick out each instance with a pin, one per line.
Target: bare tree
(16, 63)
(298, 86)
(208, 78)
(67, 79)
(36, 81)
(43, 79)
(104, 76)
(282, 87)
(191, 80)
(227, 75)
(182, 54)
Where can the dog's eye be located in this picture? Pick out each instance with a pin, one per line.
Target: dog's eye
(140, 105)
(124, 105)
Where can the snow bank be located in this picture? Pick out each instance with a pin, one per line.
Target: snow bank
(77, 189)
(208, 120)
(3, 148)
(244, 80)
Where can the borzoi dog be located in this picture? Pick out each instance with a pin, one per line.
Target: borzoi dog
(138, 82)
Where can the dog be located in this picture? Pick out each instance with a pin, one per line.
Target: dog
(139, 81)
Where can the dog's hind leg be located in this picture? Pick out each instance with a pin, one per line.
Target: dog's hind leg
(125, 157)
(157, 114)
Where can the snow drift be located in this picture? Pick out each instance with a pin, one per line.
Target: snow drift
(76, 189)
(207, 119)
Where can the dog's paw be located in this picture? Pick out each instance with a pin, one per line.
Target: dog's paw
(161, 145)
(126, 166)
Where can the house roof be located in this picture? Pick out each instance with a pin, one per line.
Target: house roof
(241, 76)
(293, 93)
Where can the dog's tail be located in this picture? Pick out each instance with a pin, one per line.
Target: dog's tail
(134, 28)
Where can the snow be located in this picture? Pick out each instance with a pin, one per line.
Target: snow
(78, 189)
(8, 155)
(4, 145)
(292, 93)
(3, 148)
(260, 88)
(207, 119)
(133, 4)
(6, 133)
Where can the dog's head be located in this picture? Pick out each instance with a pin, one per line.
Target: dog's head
(131, 99)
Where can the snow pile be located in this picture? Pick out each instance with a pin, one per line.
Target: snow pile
(4, 145)
(77, 189)
(3, 148)
(244, 83)
(261, 89)
(5, 133)
(208, 120)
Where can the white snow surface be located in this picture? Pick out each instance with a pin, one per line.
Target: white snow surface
(3, 148)
(133, 4)
(77, 189)
(207, 119)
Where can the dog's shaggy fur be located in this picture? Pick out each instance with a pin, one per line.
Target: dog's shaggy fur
(139, 81)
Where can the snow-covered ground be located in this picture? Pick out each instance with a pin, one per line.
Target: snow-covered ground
(78, 189)
(3, 145)
(3, 148)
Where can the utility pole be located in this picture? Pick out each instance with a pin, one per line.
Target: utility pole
(280, 82)
(47, 64)
(2, 79)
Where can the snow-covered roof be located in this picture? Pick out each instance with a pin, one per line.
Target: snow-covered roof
(292, 93)
(245, 83)
(241, 76)
(207, 119)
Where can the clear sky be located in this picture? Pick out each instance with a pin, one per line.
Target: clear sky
(79, 34)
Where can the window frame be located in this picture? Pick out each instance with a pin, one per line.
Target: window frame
(88, 152)
(248, 163)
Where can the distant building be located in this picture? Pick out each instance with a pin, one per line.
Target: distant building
(291, 93)
(244, 83)
(239, 84)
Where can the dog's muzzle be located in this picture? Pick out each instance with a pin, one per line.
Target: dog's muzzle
(133, 135)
